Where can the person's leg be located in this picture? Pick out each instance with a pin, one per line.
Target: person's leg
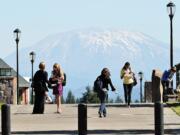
(42, 102)
(37, 104)
(58, 103)
(130, 86)
(100, 108)
(164, 89)
(35, 108)
(60, 107)
(106, 99)
(102, 105)
(125, 93)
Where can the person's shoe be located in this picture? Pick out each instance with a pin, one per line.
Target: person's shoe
(59, 111)
(104, 114)
(100, 116)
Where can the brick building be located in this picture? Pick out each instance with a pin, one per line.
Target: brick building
(8, 89)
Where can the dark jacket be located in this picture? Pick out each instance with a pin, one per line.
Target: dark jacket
(106, 82)
(40, 79)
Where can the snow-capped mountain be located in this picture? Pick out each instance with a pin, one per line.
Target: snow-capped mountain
(83, 53)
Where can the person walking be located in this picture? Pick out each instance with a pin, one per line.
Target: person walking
(40, 80)
(101, 86)
(166, 81)
(128, 82)
(56, 81)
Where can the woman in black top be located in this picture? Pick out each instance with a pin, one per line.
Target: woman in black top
(40, 80)
(102, 93)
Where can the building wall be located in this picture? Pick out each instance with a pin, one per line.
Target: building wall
(14, 91)
(24, 96)
(8, 91)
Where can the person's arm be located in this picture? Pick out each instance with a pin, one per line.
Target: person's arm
(128, 75)
(112, 86)
(170, 77)
(46, 79)
(122, 74)
(35, 77)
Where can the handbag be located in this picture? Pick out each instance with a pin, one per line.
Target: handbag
(135, 81)
(53, 83)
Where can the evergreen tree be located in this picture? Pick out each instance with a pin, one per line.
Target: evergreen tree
(110, 101)
(118, 100)
(89, 96)
(77, 100)
(70, 98)
(136, 101)
(62, 100)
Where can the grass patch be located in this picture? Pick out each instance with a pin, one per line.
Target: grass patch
(175, 107)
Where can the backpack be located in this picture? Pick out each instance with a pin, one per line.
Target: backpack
(55, 83)
(98, 85)
(64, 81)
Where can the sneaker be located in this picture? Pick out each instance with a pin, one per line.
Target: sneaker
(100, 116)
(104, 114)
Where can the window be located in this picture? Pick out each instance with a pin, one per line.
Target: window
(5, 72)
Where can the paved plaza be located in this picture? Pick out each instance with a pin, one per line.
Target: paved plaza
(137, 120)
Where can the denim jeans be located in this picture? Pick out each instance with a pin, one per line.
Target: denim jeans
(102, 96)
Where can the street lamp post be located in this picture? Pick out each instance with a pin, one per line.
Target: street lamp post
(171, 8)
(32, 58)
(140, 74)
(17, 33)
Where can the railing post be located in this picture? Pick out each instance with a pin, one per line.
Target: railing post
(82, 119)
(158, 102)
(5, 120)
(159, 119)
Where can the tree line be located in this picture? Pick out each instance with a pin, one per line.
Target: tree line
(89, 96)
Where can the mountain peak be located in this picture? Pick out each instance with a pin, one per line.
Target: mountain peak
(83, 53)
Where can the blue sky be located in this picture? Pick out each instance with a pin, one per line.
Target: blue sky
(40, 18)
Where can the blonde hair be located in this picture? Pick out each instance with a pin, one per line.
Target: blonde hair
(42, 65)
(56, 65)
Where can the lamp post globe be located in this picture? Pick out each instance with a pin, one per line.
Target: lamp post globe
(32, 56)
(17, 34)
(171, 8)
(140, 74)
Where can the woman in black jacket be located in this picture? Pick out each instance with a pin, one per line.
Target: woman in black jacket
(102, 93)
(39, 81)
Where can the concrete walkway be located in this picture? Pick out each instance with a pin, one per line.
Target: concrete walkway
(137, 120)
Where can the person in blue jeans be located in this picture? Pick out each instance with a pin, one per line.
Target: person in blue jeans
(103, 92)
(166, 81)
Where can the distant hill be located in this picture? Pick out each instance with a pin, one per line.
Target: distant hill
(83, 53)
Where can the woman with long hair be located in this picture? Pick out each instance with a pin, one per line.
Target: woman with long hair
(105, 80)
(56, 80)
(128, 79)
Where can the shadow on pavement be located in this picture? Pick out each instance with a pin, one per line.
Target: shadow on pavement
(119, 132)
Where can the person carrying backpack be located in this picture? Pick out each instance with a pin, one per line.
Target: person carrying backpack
(101, 87)
(56, 80)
